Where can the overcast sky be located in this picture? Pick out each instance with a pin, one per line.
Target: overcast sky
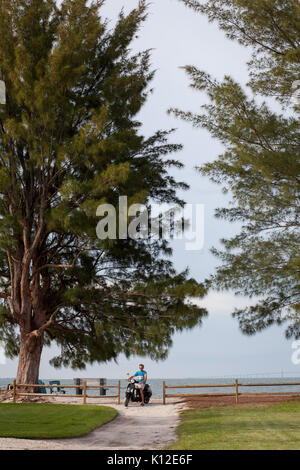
(181, 37)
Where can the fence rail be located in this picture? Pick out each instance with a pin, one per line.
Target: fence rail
(235, 393)
(85, 387)
(18, 390)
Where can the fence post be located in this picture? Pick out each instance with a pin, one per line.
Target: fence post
(164, 393)
(14, 390)
(119, 392)
(84, 392)
(236, 391)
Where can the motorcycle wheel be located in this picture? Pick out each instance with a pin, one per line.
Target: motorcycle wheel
(126, 401)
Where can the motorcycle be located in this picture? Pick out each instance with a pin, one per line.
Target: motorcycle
(133, 393)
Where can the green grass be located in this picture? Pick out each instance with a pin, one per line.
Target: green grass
(43, 420)
(250, 427)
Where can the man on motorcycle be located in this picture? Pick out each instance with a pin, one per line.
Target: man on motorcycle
(141, 377)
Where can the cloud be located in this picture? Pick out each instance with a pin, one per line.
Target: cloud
(223, 302)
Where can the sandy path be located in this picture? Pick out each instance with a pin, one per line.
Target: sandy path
(135, 428)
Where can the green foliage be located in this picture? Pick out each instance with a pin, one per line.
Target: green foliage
(271, 29)
(261, 165)
(69, 141)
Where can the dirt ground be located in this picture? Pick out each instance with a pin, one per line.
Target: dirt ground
(207, 402)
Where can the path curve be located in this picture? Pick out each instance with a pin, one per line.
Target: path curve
(135, 428)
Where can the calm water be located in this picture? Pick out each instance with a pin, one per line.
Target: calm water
(156, 385)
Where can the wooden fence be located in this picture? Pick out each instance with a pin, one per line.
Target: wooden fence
(85, 387)
(235, 393)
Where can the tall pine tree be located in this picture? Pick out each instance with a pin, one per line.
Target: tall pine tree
(69, 141)
(261, 163)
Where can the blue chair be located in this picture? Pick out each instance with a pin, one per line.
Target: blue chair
(56, 382)
(43, 389)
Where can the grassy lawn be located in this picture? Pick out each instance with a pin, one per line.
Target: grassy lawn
(242, 427)
(43, 420)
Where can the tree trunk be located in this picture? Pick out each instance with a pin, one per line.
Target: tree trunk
(29, 359)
